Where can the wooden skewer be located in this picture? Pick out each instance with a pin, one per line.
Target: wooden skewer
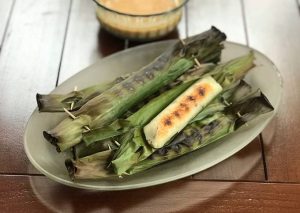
(74, 117)
(108, 165)
(87, 128)
(116, 142)
(72, 105)
(239, 114)
(197, 62)
(70, 114)
(227, 104)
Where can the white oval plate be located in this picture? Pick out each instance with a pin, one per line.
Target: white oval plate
(45, 158)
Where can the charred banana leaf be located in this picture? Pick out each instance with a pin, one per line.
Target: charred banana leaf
(207, 131)
(114, 102)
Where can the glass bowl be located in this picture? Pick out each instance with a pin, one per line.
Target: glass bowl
(139, 27)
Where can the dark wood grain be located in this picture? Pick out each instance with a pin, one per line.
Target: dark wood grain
(29, 63)
(5, 12)
(86, 42)
(225, 15)
(277, 34)
(247, 164)
(38, 194)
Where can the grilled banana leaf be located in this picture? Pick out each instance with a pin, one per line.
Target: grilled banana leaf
(112, 103)
(228, 75)
(207, 131)
(73, 100)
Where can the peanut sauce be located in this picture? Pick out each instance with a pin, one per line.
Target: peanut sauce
(140, 7)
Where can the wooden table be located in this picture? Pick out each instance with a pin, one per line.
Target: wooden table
(45, 42)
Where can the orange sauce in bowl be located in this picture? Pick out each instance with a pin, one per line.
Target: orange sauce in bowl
(138, 26)
(140, 7)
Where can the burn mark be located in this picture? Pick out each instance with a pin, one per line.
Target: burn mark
(162, 151)
(162, 60)
(211, 127)
(128, 86)
(175, 148)
(158, 66)
(119, 79)
(139, 79)
(207, 129)
(214, 124)
(191, 98)
(201, 91)
(168, 122)
(177, 140)
(184, 106)
(149, 73)
(160, 63)
(197, 135)
(177, 115)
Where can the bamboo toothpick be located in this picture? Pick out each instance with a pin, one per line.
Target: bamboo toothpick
(70, 114)
(108, 165)
(239, 114)
(116, 142)
(197, 62)
(227, 104)
(87, 128)
(72, 105)
(74, 117)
